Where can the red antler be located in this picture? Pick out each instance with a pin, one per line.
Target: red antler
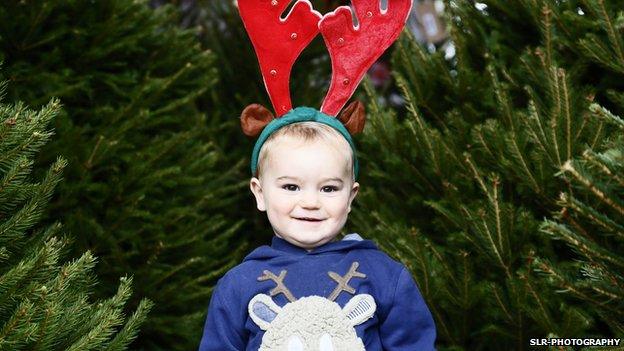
(278, 42)
(354, 49)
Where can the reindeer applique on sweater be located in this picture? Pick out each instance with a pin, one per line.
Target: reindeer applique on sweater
(311, 323)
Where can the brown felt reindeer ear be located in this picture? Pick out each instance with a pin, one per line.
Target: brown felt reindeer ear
(353, 117)
(254, 118)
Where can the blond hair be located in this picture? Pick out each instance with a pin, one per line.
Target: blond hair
(307, 131)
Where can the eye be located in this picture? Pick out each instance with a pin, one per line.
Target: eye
(295, 344)
(330, 188)
(290, 187)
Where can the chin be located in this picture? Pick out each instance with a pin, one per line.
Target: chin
(308, 238)
(309, 244)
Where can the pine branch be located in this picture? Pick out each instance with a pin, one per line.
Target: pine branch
(598, 6)
(569, 168)
(593, 215)
(130, 330)
(42, 306)
(604, 163)
(606, 115)
(421, 131)
(545, 316)
(590, 249)
(556, 112)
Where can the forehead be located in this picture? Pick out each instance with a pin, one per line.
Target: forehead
(296, 156)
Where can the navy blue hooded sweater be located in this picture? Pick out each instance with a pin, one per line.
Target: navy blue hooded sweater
(401, 320)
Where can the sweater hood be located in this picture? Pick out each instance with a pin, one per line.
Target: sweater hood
(280, 247)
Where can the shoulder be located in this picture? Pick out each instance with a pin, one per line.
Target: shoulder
(384, 275)
(244, 275)
(240, 274)
(382, 270)
(375, 259)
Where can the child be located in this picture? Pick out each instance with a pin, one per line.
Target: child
(322, 291)
(308, 290)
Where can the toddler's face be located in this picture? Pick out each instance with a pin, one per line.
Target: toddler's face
(306, 190)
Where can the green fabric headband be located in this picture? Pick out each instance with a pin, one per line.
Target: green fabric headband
(301, 114)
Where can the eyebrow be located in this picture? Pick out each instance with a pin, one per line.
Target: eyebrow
(324, 180)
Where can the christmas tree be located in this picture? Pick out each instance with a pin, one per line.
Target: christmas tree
(149, 187)
(462, 186)
(591, 223)
(45, 301)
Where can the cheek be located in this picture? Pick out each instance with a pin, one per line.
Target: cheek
(281, 204)
(338, 206)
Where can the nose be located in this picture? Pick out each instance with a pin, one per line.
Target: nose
(309, 199)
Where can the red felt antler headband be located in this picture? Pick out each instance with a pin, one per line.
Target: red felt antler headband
(278, 42)
(353, 49)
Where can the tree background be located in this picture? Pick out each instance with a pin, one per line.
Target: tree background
(497, 182)
(148, 188)
(43, 296)
(478, 164)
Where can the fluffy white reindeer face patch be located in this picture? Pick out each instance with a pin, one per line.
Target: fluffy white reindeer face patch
(312, 323)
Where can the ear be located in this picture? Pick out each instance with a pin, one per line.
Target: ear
(254, 118)
(354, 191)
(353, 117)
(263, 310)
(360, 308)
(256, 189)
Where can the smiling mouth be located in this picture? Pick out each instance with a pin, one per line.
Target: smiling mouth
(309, 219)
